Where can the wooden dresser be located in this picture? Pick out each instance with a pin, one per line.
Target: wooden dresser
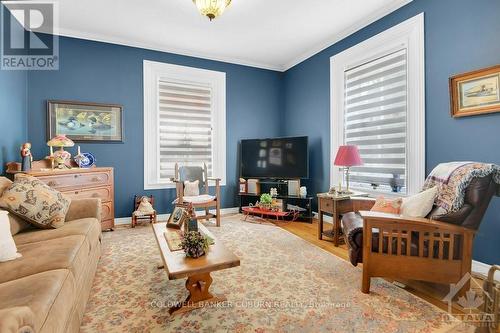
(84, 183)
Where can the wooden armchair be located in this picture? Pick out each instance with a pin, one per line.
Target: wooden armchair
(435, 249)
(204, 199)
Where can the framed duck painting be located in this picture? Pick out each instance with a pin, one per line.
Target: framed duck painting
(476, 92)
(85, 122)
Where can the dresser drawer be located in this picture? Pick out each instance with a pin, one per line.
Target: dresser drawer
(107, 211)
(77, 180)
(104, 193)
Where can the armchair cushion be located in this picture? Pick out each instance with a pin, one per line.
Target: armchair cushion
(419, 205)
(198, 199)
(191, 189)
(387, 205)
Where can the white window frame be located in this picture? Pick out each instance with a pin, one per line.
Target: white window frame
(408, 34)
(153, 72)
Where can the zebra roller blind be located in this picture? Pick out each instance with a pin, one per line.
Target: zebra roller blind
(376, 121)
(185, 125)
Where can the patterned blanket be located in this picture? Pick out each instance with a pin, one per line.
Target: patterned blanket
(453, 178)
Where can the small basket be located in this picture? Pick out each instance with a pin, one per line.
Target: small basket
(492, 305)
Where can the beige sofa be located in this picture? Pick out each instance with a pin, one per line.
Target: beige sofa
(46, 290)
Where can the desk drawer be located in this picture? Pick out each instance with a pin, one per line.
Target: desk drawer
(104, 193)
(326, 205)
(77, 180)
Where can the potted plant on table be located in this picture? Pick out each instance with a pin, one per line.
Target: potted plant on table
(265, 201)
(194, 244)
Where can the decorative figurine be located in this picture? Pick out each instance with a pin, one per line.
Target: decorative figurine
(26, 157)
(303, 191)
(273, 191)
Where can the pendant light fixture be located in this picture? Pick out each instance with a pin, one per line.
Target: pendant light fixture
(211, 8)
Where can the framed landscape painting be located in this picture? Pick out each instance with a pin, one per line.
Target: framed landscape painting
(85, 122)
(476, 92)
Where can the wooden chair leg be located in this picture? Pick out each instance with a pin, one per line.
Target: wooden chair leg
(365, 286)
(217, 212)
(133, 221)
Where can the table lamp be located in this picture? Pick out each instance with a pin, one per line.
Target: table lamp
(60, 156)
(348, 156)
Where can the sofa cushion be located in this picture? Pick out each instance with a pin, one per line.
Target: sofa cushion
(8, 250)
(86, 227)
(4, 184)
(17, 224)
(50, 295)
(60, 253)
(36, 202)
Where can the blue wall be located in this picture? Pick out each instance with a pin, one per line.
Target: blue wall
(13, 111)
(100, 72)
(460, 36)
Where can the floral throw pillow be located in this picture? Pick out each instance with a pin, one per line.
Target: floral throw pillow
(35, 202)
(384, 205)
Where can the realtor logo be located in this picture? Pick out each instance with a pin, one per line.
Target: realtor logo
(29, 40)
(471, 303)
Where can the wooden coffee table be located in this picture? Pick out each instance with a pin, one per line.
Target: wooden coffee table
(197, 271)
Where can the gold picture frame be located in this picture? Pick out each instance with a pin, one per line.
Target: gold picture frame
(476, 92)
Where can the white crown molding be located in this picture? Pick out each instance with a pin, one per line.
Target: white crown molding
(347, 32)
(245, 62)
(160, 48)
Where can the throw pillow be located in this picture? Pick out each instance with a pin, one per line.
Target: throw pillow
(8, 249)
(419, 205)
(384, 205)
(34, 201)
(192, 189)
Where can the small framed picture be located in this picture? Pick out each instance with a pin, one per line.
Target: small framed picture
(85, 122)
(179, 216)
(476, 92)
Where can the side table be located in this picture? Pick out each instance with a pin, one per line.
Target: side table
(336, 206)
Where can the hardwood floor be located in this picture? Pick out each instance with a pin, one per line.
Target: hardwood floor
(433, 293)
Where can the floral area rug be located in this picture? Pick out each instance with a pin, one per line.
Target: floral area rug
(284, 284)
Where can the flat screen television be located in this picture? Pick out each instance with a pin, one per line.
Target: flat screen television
(285, 158)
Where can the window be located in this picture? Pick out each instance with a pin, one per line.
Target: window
(378, 104)
(184, 121)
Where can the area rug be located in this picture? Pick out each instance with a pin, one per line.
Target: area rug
(284, 284)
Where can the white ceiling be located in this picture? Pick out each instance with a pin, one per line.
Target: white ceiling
(272, 34)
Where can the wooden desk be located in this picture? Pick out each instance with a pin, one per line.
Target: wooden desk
(336, 206)
(197, 270)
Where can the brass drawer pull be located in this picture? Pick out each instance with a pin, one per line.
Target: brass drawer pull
(52, 183)
(76, 192)
(96, 179)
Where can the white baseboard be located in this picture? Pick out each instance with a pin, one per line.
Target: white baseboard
(163, 217)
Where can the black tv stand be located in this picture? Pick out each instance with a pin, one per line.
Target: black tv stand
(289, 201)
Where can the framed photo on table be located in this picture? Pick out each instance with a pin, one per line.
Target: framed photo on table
(85, 122)
(476, 92)
(179, 216)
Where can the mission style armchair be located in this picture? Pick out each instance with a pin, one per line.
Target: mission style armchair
(437, 248)
(204, 199)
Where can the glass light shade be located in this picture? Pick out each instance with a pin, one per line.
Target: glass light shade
(211, 8)
(60, 141)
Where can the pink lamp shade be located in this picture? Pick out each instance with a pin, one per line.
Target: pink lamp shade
(348, 156)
